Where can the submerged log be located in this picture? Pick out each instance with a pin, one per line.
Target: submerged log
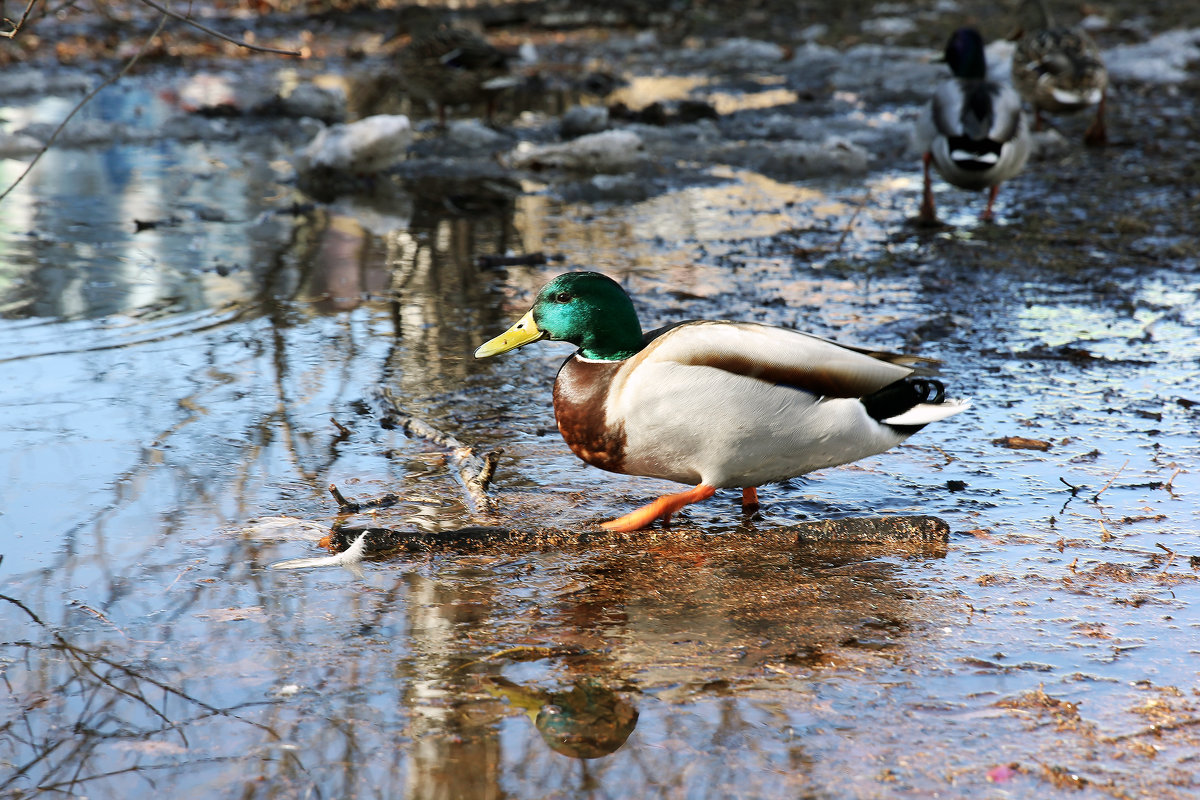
(873, 529)
(901, 533)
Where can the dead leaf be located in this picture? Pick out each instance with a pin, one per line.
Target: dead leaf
(1022, 443)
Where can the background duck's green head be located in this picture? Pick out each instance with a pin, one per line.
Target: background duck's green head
(965, 54)
(584, 308)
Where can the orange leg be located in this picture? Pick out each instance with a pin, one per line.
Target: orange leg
(662, 508)
(1097, 134)
(987, 215)
(750, 499)
(927, 213)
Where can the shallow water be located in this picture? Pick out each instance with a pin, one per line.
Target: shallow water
(169, 389)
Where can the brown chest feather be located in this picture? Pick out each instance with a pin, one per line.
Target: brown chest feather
(579, 394)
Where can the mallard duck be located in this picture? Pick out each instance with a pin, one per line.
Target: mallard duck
(1059, 69)
(715, 404)
(973, 130)
(449, 66)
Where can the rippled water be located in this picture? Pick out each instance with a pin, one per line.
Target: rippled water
(166, 390)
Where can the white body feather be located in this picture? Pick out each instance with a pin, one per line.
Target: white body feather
(943, 119)
(693, 423)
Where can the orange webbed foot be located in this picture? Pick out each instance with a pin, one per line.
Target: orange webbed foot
(662, 508)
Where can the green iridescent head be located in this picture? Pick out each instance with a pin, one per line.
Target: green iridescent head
(587, 309)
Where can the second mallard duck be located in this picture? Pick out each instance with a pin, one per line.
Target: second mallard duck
(715, 404)
(449, 66)
(973, 130)
(1059, 69)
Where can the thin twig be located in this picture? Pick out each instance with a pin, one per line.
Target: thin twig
(87, 99)
(853, 218)
(23, 607)
(348, 506)
(218, 34)
(1169, 552)
(1074, 489)
(343, 431)
(474, 472)
(166, 12)
(1170, 484)
(1104, 488)
(17, 25)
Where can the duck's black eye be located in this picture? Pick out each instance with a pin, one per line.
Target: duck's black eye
(562, 297)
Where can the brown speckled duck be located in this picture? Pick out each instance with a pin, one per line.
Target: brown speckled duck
(449, 66)
(1058, 69)
(715, 404)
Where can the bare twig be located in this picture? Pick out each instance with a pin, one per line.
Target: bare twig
(17, 25)
(85, 658)
(218, 34)
(348, 506)
(339, 497)
(343, 431)
(475, 473)
(1104, 488)
(23, 607)
(1168, 551)
(87, 99)
(166, 12)
(853, 218)
(1074, 489)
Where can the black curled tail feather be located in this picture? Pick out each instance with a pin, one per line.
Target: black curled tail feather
(896, 398)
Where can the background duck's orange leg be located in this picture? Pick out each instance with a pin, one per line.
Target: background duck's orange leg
(987, 215)
(750, 499)
(662, 508)
(1096, 134)
(927, 214)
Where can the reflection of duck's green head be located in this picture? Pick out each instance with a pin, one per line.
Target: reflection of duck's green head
(584, 308)
(587, 721)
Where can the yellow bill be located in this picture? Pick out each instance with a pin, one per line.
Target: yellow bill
(524, 331)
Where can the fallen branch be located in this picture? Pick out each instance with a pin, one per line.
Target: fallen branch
(348, 506)
(475, 473)
(921, 535)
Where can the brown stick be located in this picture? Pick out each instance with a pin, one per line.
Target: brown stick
(17, 25)
(853, 219)
(1104, 489)
(475, 473)
(348, 506)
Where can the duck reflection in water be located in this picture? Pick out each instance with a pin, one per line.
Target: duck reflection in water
(588, 720)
